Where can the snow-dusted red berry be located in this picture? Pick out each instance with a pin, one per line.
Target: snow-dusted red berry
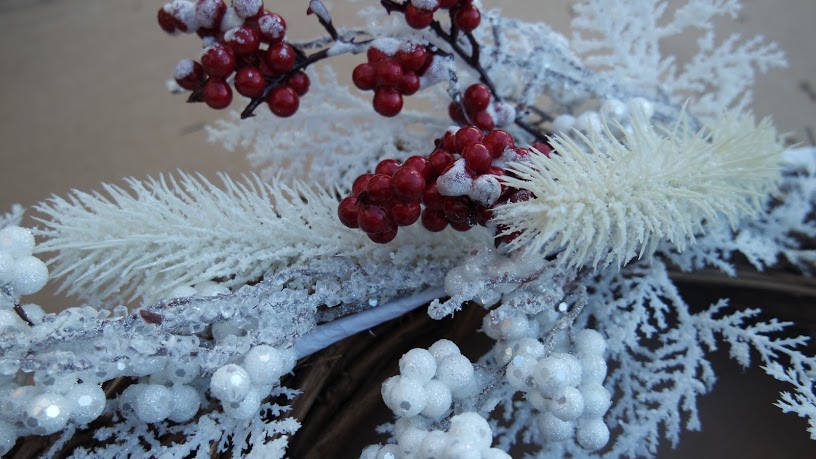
(467, 18)
(416, 18)
(364, 76)
(189, 74)
(405, 213)
(477, 157)
(360, 184)
(247, 8)
(218, 61)
(299, 82)
(465, 136)
(217, 93)
(389, 73)
(384, 237)
(412, 59)
(375, 55)
(387, 102)
(408, 184)
(373, 219)
(283, 101)
(409, 84)
(420, 164)
(348, 211)
(243, 40)
(272, 28)
(379, 188)
(387, 167)
(434, 220)
(209, 13)
(497, 141)
(280, 58)
(250, 82)
(440, 160)
(476, 97)
(169, 23)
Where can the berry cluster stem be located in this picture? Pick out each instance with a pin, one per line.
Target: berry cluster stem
(17, 308)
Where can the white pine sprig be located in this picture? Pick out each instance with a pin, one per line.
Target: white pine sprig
(168, 232)
(602, 200)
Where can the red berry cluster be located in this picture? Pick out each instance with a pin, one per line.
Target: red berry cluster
(392, 76)
(244, 39)
(475, 101)
(394, 194)
(419, 13)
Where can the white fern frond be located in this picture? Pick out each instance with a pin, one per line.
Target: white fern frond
(603, 200)
(169, 232)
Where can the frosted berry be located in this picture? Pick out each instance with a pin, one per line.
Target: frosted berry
(412, 59)
(389, 73)
(272, 28)
(169, 23)
(209, 13)
(417, 18)
(299, 82)
(477, 157)
(280, 58)
(497, 141)
(387, 167)
(405, 213)
(476, 98)
(373, 219)
(467, 18)
(250, 82)
(387, 102)
(379, 189)
(375, 55)
(408, 184)
(247, 8)
(348, 211)
(243, 40)
(434, 220)
(217, 93)
(189, 74)
(283, 101)
(364, 76)
(466, 136)
(218, 61)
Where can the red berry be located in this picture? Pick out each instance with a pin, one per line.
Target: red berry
(348, 211)
(544, 148)
(389, 73)
(243, 40)
(217, 93)
(434, 220)
(280, 58)
(272, 28)
(467, 18)
(387, 167)
(420, 164)
(209, 13)
(409, 84)
(457, 208)
(364, 76)
(461, 226)
(455, 114)
(379, 189)
(497, 141)
(431, 197)
(189, 74)
(250, 82)
(408, 184)
(449, 141)
(477, 157)
(169, 23)
(412, 60)
(483, 120)
(253, 60)
(299, 82)
(384, 237)
(483, 215)
(373, 219)
(283, 101)
(416, 18)
(476, 98)
(387, 102)
(375, 55)
(440, 160)
(218, 61)
(360, 184)
(448, 4)
(466, 136)
(405, 213)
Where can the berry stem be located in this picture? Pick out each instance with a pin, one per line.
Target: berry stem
(17, 308)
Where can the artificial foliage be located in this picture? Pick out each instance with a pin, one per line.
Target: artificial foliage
(550, 182)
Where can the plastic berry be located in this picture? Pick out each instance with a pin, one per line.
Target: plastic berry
(387, 102)
(466, 136)
(169, 23)
(434, 220)
(477, 157)
(409, 84)
(420, 164)
(408, 184)
(379, 188)
(283, 101)
(456, 208)
(243, 40)
(272, 28)
(246, 9)
(448, 4)
(389, 73)
(497, 141)
(189, 74)
(218, 61)
(348, 211)
(217, 93)
(387, 167)
(373, 219)
(299, 82)
(440, 160)
(383, 237)
(209, 13)
(417, 18)
(456, 114)
(280, 58)
(483, 120)
(364, 76)
(375, 55)
(405, 213)
(360, 184)
(476, 98)
(467, 18)
(250, 82)
(412, 59)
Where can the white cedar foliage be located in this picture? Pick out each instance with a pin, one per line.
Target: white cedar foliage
(602, 200)
(170, 232)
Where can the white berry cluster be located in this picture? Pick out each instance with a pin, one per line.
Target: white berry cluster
(21, 273)
(611, 109)
(565, 387)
